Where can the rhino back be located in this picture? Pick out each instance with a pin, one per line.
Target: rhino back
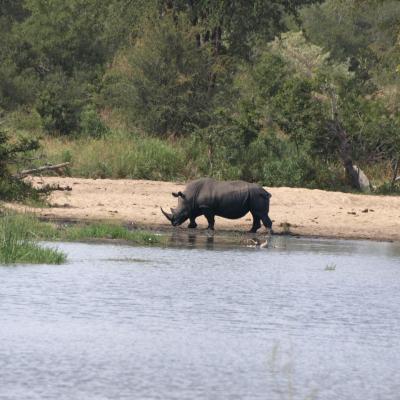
(229, 199)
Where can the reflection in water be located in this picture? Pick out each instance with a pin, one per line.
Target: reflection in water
(120, 322)
(210, 241)
(193, 239)
(207, 239)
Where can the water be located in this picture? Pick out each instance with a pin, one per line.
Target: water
(119, 322)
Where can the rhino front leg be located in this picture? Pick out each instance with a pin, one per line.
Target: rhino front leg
(192, 224)
(210, 220)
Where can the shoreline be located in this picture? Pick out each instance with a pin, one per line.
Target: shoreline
(308, 213)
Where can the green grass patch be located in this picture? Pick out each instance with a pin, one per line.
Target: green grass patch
(118, 155)
(17, 242)
(20, 232)
(110, 231)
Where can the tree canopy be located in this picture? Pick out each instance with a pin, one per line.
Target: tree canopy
(252, 86)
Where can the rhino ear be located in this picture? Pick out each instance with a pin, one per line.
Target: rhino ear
(179, 194)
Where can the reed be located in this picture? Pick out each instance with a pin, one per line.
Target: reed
(18, 245)
(110, 231)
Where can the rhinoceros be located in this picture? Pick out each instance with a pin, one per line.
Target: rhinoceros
(228, 199)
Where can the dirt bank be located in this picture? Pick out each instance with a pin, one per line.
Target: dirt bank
(298, 211)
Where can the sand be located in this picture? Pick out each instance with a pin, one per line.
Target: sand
(302, 212)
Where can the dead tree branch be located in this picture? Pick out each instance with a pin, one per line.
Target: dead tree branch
(26, 172)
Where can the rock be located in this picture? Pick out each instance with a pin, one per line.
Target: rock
(363, 181)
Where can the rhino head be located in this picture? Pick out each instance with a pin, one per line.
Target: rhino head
(180, 214)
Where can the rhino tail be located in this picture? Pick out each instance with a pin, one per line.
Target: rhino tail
(266, 194)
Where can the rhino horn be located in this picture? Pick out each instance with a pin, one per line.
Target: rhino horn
(168, 216)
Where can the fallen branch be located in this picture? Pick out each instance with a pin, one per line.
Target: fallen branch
(51, 188)
(40, 169)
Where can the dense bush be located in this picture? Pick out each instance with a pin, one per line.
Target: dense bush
(162, 82)
(119, 155)
(283, 93)
(11, 153)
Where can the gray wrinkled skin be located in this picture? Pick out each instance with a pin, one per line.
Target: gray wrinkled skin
(227, 199)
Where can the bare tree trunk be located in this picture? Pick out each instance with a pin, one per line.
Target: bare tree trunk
(345, 153)
(395, 169)
(216, 39)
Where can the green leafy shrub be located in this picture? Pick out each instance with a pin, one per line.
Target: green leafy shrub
(91, 124)
(17, 243)
(11, 153)
(61, 102)
(163, 81)
(120, 155)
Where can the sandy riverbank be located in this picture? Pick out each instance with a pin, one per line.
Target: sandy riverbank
(299, 211)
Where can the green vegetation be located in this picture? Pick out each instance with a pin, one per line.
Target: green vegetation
(282, 93)
(20, 232)
(39, 230)
(330, 267)
(12, 153)
(122, 156)
(17, 243)
(109, 231)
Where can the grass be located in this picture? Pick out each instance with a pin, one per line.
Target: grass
(20, 232)
(17, 244)
(109, 231)
(330, 267)
(118, 155)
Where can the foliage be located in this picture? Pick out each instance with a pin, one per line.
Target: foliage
(314, 91)
(163, 80)
(119, 155)
(237, 25)
(67, 35)
(17, 243)
(91, 123)
(110, 231)
(364, 32)
(280, 92)
(26, 228)
(12, 153)
(61, 102)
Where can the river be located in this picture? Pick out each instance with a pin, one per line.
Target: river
(304, 319)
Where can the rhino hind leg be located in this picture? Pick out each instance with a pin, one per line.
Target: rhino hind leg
(263, 216)
(256, 224)
(267, 221)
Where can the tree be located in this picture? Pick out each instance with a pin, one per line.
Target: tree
(364, 32)
(12, 152)
(323, 103)
(236, 24)
(68, 35)
(162, 81)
